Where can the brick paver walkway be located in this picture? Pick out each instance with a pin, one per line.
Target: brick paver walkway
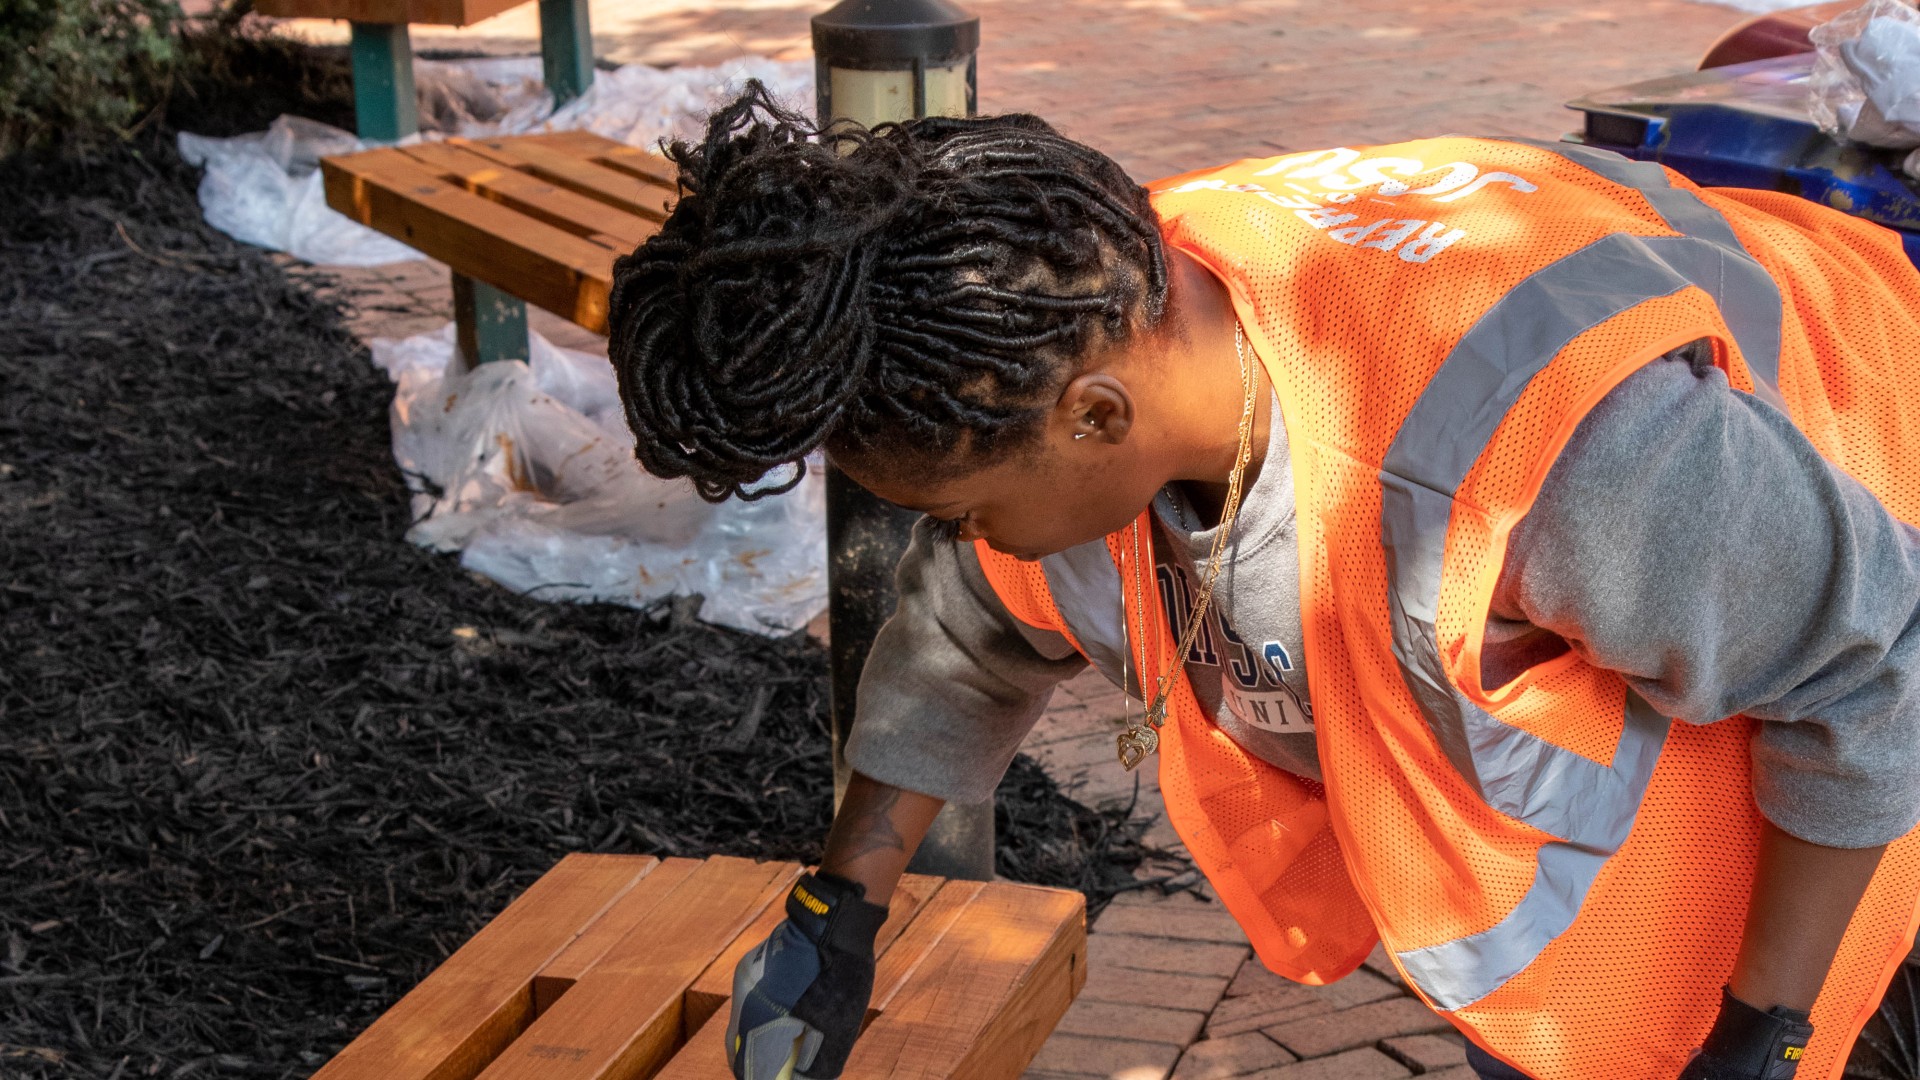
(1165, 86)
(1172, 987)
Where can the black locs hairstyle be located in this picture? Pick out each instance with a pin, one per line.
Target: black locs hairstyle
(915, 288)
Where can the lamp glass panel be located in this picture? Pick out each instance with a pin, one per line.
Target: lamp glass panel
(947, 90)
(872, 97)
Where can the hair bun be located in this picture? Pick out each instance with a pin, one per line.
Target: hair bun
(734, 323)
(916, 278)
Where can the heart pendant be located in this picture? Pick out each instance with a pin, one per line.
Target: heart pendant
(1135, 744)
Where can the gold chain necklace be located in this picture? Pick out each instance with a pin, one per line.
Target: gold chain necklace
(1142, 736)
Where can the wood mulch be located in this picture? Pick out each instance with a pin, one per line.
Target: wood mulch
(263, 764)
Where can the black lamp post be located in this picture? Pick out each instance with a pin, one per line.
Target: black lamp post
(877, 61)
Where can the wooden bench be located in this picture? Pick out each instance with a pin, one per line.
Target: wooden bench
(534, 218)
(619, 967)
(385, 106)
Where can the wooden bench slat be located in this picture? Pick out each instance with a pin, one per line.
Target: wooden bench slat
(430, 12)
(710, 992)
(1014, 1035)
(937, 917)
(632, 160)
(543, 265)
(623, 1017)
(642, 165)
(616, 189)
(900, 953)
(539, 199)
(978, 997)
(704, 1057)
(715, 985)
(558, 975)
(464, 1013)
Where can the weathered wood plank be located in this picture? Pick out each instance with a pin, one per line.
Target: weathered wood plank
(541, 200)
(537, 262)
(480, 999)
(622, 1019)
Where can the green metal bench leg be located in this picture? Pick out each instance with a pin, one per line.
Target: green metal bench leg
(385, 107)
(566, 48)
(488, 324)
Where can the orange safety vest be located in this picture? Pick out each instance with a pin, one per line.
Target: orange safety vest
(1561, 871)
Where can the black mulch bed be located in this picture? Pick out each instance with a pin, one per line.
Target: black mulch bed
(262, 763)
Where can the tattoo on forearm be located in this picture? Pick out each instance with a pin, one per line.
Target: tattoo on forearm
(872, 829)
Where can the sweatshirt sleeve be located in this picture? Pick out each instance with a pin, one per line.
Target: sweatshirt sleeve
(1691, 539)
(954, 681)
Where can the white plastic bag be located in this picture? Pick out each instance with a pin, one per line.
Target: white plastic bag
(528, 470)
(1866, 78)
(265, 188)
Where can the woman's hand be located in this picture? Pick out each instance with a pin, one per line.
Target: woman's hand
(800, 997)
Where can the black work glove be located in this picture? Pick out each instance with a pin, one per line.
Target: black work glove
(802, 993)
(1747, 1044)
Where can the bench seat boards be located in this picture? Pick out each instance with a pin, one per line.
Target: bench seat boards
(557, 162)
(464, 1013)
(558, 975)
(539, 217)
(913, 908)
(433, 12)
(709, 993)
(987, 993)
(622, 1017)
(620, 967)
(618, 156)
(456, 161)
(971, 988)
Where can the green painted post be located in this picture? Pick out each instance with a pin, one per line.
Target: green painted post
(566, 48)
(488, 324)
(385, 107)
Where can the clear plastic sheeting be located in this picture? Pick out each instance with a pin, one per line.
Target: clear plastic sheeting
(1866, 78)
(527, 470)
(265, 188)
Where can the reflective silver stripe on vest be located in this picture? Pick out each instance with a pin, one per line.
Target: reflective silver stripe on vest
(1088, 593)
(1587, 807)
(1748, 297)
(1460, 972)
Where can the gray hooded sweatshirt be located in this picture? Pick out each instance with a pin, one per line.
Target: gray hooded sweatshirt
(1688, 537)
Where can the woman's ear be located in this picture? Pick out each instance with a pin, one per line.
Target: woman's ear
(1096, 407)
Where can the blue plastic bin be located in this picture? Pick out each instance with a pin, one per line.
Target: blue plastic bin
(1747, 126)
